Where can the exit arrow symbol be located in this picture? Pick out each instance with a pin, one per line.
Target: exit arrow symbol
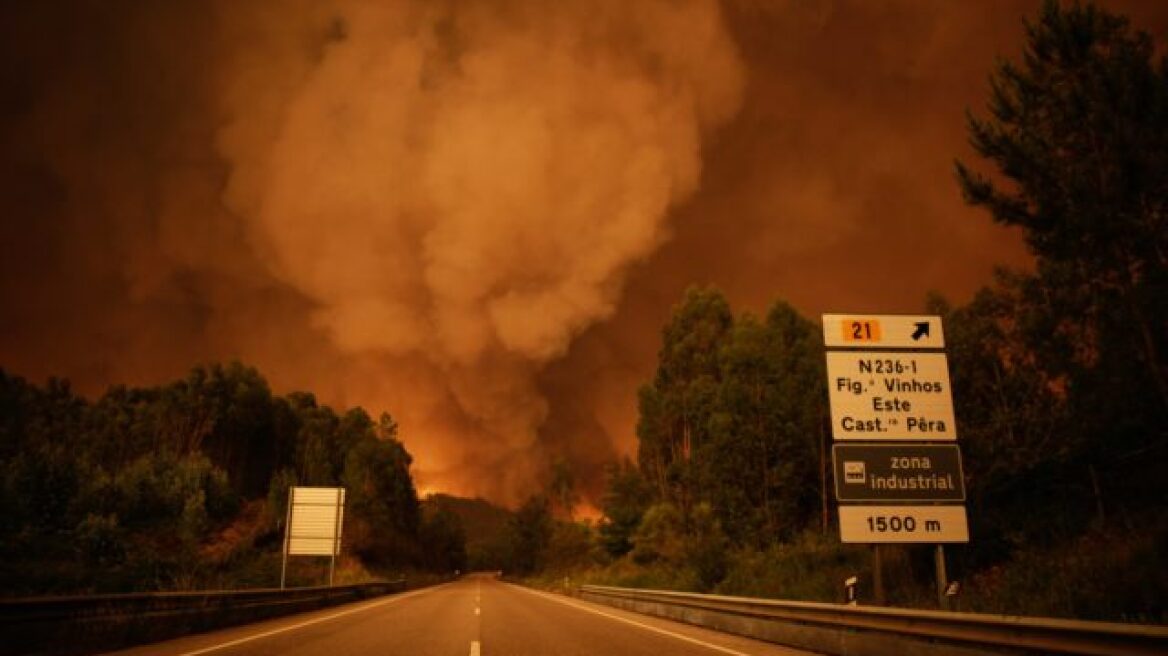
(921, 331)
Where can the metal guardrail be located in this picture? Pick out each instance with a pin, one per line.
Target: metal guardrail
(86, 624)
(856, 630)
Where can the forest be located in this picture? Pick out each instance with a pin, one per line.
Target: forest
(184, 486)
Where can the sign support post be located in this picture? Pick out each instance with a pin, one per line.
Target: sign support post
(942, 577)
(336, 535)
(287, 535)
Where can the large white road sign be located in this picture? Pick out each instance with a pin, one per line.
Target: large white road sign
(316, 517)
(886, 395)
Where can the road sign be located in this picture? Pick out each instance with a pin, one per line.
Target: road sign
(901, 524)
(898, 472)
(882, 331)
(316, 519)
(883, 395)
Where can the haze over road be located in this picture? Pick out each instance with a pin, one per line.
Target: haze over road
(476, 615)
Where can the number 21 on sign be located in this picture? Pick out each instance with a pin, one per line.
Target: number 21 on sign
(861, 330)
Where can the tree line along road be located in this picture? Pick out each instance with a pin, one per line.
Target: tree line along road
(477, 615)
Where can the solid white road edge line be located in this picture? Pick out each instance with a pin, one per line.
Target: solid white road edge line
(626, 620)
(301, 625)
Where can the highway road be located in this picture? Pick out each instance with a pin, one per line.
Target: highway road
(476, 616)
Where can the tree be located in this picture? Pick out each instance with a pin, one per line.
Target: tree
(760, 465)
(1081, 132)
(318, 460)
(381, 491)
(705, 547)
(659, 536)
(674, 411)
(530, 531)
(1078, 133)
(1015, 437)
(443, 541)
(561, 490)
(795, 343)
(146, 485)
(570, 546)
(626, 497)
(240, 438)
(121, 426)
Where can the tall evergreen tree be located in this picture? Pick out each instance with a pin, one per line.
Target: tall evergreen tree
(1078, 133)
(675, 409)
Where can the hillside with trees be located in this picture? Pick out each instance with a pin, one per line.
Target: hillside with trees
(484, 525)
(184, 486)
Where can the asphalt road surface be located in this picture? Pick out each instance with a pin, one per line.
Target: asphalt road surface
(475, 616)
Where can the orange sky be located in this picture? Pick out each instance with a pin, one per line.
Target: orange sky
(476, 216)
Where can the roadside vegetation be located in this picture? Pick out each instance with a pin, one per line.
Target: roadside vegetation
(184, 486)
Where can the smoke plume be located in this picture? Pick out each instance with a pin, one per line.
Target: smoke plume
(464, 185)
(447, 193)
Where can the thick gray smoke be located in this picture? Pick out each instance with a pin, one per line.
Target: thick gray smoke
(411, 205)
(460, 188)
